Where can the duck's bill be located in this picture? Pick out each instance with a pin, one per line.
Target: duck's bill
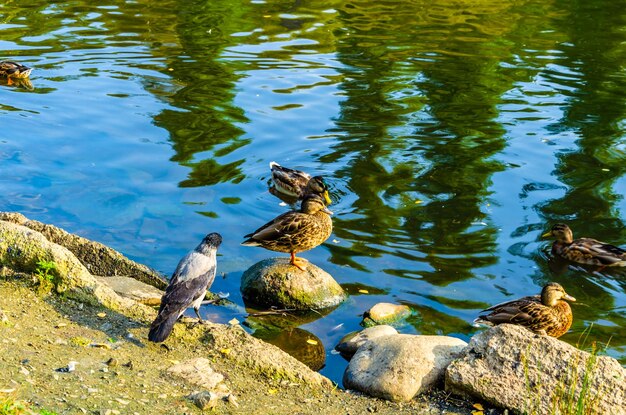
(545, 235)
(569, 298)
(327, 198)
(326, 210)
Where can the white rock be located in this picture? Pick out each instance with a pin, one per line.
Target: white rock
(398, 367)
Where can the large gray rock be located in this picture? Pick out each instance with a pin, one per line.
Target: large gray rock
(511, 367)
(349, 344)
(398, 367)
(99, 259)
(275, 282)
(22, 247)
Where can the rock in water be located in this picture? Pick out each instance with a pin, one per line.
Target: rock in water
(513, 368)
(275, 282)
(349, 344)
(398, 367)
(385, 313)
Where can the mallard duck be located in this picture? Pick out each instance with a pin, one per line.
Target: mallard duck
(289, 181)
(546, 314)
(11, 69)
(296, 183)
(585, 250)
(295, 231)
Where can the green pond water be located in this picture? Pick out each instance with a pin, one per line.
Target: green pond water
(452, 133)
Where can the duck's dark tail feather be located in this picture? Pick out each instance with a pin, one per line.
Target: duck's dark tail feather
(161, 327)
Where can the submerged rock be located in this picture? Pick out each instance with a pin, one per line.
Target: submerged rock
(385, 313)
(349, 344)
(514, 368)
(299, 343)
(398, 367)
(275, 282)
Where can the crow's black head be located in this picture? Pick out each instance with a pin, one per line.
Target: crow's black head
(213, 240)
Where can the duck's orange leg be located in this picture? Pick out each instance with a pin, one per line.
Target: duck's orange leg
(297, 262)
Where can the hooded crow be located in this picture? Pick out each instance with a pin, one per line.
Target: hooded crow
(193, 277)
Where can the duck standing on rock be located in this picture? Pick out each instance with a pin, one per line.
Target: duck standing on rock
(295, 231)
(585, 250)
(10, 69)
(546, 314)
(193, 277)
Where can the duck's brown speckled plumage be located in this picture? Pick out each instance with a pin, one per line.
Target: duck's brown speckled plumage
(295, 231)
(297, 184)
(585, 250)
(543, 314)
(289, 181)
(12, 69)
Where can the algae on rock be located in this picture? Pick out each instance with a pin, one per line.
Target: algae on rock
(275, 282)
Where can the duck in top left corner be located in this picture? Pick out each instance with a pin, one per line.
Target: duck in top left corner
(13, 70)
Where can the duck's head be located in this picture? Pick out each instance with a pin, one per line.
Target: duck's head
(15, 70)
(317, 185)
(552, 293)
(561, 232)
(314, 203)
(23, 72)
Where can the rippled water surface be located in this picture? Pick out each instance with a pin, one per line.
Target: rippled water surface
(453, 134)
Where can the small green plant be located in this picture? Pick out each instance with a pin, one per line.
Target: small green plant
(11, 406)
(44, 275)
(44, 270)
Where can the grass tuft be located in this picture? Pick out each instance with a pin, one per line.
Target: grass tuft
(573, 394)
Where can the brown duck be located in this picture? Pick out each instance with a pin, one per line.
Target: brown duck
(297, 184)
(295, 231)
(546, 314)
(13, 70)
(585, 250)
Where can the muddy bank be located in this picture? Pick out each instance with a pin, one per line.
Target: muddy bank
(44, 333)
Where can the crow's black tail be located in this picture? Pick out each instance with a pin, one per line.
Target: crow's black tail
(161, 327)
